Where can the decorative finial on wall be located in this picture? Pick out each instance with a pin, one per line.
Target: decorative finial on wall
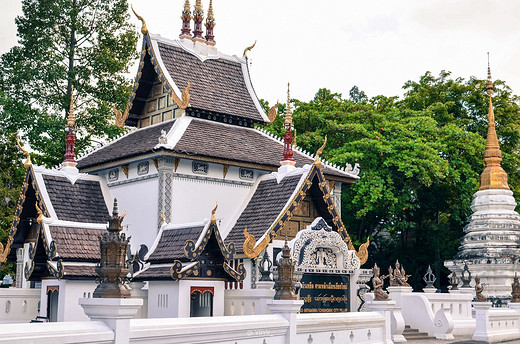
(198, 17)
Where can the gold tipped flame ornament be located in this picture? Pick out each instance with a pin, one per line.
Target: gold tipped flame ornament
(162, 218)
(121, 117)
(213, 218)
(183, 102)
(249, 245)
(27, 164)
(362, 252)
(144, 29)
(493, 176)
(248, 49)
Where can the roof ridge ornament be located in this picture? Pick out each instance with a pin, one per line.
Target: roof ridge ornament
(288, 161)
(213, 220)
(186, 21)
(198, 17)
(248, 49)
(183, 102)
(493, 176)
(273, 112)
(27, 164)
(210, 24)
(144, 29)
(121, 117)
(317, 160)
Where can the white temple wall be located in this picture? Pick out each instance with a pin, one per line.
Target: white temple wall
(169, 299)
(139, 199)
(195, 195)
(18, 305)
(69, 294)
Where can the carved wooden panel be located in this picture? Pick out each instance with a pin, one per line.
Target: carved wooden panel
(303, 216)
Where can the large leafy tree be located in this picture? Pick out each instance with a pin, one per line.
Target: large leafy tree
(63, 45)
(420, 157)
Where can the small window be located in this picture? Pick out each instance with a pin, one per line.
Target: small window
(201, 301)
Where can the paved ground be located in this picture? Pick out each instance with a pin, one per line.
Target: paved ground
(458, 340)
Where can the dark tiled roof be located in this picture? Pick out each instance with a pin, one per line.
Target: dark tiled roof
(82, 201)
(171, 244)
(80, 271)
(263, 209)
(225, 141)
(154, 272)
(76, 243)
(216, 84)
(139, 142)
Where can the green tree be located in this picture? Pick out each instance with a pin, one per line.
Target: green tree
(65, 44)
(11, 178)
(419, 172)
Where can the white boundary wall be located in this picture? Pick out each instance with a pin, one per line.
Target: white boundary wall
(18, 305)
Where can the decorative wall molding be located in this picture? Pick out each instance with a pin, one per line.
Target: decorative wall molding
(210, 179)
(133, 180)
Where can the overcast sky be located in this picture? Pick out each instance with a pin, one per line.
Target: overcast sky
(375, 44)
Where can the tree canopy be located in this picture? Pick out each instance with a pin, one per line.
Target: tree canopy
(421, 158)
(63, 45)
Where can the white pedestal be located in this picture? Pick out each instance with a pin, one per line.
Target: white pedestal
(482, 321)
(116, 313)
(264, 285)
(385, 308)
(429, 290)
(467, 290)
(288, 309)
(397, 292)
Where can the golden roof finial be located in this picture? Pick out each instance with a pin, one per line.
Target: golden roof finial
(210, 11)
(27, 164)
(213, 218)
(319, 151)
(187, 6)
(71, 119)
(493, 176)
(288, 112)
(198, 5)
(248, 49)
(144, 29)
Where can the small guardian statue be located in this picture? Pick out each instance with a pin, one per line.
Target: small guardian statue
(398, 277)
(478, 291)
(515, 294)
(377, 284)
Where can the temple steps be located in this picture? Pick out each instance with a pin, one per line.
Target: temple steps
(414, 334)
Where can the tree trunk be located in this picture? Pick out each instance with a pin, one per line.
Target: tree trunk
(72, 50)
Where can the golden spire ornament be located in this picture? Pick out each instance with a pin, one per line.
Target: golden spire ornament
(493, 176)
(210, 24)
(288, 123)
(71, 119)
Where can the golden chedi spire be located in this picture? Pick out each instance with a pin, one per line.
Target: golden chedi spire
(198, 17)
(186, 21)
(493, 176)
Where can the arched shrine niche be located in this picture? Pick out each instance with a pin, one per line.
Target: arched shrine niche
(326, 266)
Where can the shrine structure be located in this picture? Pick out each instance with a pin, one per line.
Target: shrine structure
(194, 139)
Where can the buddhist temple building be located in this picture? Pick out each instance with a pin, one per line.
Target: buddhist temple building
(194, 140)
(491, 245)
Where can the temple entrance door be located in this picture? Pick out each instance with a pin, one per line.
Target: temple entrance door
(201, 303)
(52, 303)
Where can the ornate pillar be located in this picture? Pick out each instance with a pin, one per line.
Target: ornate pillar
(165, 170)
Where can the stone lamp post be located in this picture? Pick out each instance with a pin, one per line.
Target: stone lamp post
(285, 285)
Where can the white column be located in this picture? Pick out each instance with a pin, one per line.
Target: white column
(482, 320)
(288, 309)
(116, 313)
(396, 293)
